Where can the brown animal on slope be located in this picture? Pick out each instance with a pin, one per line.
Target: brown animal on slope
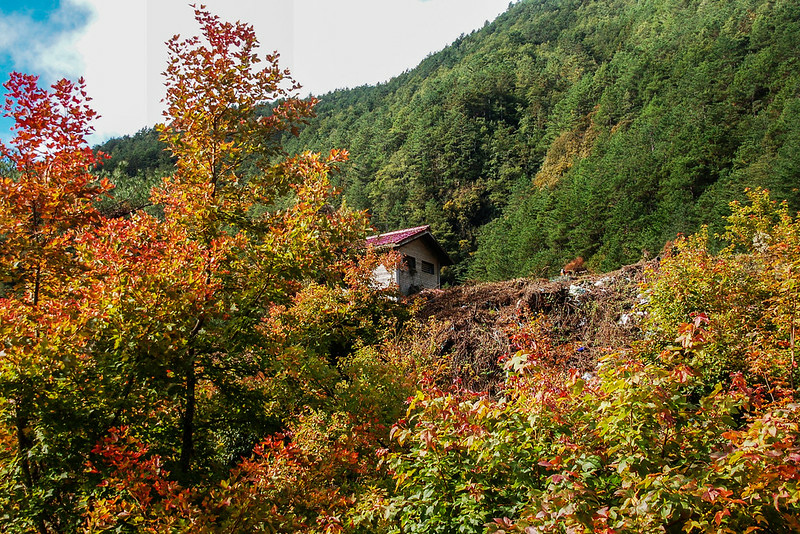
(668, 251)
(574, 267)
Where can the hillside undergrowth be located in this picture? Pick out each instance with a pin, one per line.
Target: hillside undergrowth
(693, 428)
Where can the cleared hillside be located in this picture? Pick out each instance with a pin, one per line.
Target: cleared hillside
(472, 327)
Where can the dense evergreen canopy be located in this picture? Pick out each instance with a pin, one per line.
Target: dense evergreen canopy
(599, 128)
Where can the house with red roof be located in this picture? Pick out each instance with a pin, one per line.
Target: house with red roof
(422, 259)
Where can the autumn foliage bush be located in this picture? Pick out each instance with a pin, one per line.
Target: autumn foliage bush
(748, 294)
(199, 370)
(694, 430)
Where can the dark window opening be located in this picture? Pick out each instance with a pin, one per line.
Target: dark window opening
(410, 264)
(427, 267)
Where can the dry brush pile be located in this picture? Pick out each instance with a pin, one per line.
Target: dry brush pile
(472, 327)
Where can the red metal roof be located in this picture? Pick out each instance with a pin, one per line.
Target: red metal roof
(397, 237)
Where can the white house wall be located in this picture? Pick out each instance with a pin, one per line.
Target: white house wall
(384, 277)
(418, 279)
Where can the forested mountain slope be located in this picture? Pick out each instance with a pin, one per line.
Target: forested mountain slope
(577, 127)
(598, 128)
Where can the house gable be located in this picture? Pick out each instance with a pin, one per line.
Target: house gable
(423, 258)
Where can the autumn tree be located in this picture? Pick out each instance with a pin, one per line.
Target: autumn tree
(47, 196)
(178, 328)
(223, 113)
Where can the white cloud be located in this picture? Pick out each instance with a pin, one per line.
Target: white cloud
(44, 47)
(344, 44)
(124, 52)
(9, 32)
(113, 49)
(327, 44)
(58, 56)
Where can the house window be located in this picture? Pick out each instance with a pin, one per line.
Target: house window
(411, 264)
(427, 267)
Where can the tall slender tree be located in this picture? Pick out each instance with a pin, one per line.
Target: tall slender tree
(224, 110)
(47, 196)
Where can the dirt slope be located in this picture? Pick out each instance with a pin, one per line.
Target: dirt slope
(586, 316)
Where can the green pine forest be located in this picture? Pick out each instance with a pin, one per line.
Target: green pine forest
(564, 128)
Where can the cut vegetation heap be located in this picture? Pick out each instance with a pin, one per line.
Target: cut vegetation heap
(474, 326)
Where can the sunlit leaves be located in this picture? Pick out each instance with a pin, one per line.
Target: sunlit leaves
(663, 438)
(142, 351)
(47, 307)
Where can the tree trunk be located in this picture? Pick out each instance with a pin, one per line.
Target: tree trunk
(187, 421)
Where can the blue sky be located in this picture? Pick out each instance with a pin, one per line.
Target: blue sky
(118, 45)
(36, 34)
